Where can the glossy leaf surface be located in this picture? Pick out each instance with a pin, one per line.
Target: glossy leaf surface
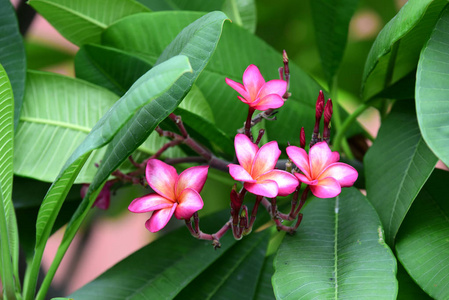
(398, 45)
(9, 231)
(82, 21)
(422, 245)
(396, 167)
(432, 90)
(338, 252)
(12, 54)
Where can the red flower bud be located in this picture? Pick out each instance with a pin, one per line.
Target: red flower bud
(328, 112)
(302, 138)
(319, 106)
(236, 203)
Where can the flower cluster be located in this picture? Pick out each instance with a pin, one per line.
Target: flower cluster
(319, 170)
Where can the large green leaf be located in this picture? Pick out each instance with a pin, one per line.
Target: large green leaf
(150, 86)
(396, 49)
(238, 270)
(163, 268)
(331, 21)
(12, 54)
(192, 5)
(9, 233)
(82, 21)
(422, 243)
(432, 90)
(396, 167)
(237, 49)
(338, 252)
(58, 113)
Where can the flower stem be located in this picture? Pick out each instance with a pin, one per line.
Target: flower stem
(346, 124)
(247, 131)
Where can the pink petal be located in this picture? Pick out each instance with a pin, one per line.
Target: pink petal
(300, 159)
(193, 178)
(160, 218)
(267, 188)
(326, 188)
(239, 173)
(162, 178)
(253, 81)
(345, 174)
(245, 150)
(286, 182)
(189, 203)
(276, 86)
(305, 180)
(265, 159)
(320, 156)
(244, 100)
(238, 87)
(270, 101)
(149, 203)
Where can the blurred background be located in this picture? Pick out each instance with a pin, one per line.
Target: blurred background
(113, 234)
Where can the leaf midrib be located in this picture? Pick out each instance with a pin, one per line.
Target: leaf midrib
(55, 123)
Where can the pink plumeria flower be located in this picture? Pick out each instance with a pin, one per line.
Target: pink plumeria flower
(175, 194)
(321, 170)
(257, 93)
(256, 169)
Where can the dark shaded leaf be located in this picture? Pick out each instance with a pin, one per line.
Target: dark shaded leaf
(422, 243)
(396, 167)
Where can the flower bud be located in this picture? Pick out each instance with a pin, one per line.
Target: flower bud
(236, 203)
(327, 119)
(302, 138)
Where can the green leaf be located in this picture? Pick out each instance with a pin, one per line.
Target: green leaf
(192, 5)
(58, 113)
(264, 289)
(83, 21)
(242, 12)
(395, 51)
(12, 54)
(238, 270)
(8, 223)
(432, 92)
(236, 50)
(331, 21)
(337, 252)
(396, 167)
(422, 244)
(163, 268)
(40, 55)
(109, 67)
